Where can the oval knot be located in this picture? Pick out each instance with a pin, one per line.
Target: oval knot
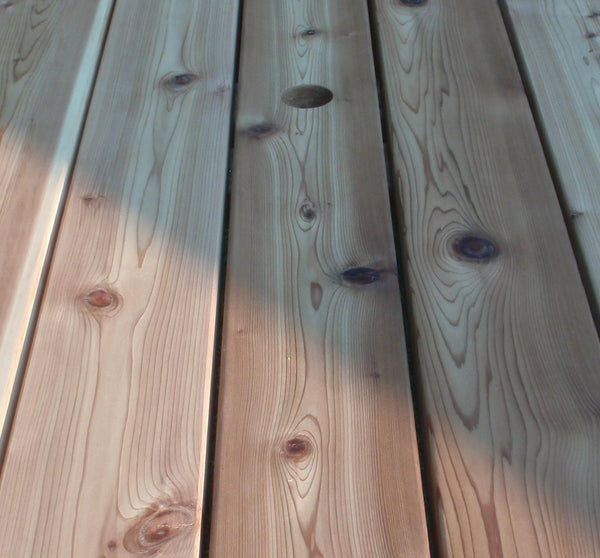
(297, 448)
(101, 299)
(361, 275)
(178, 83)
(475, 248)
(158, 527)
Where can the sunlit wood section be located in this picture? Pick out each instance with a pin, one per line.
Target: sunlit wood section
(316, 446)
(48, 56)
(107, 451)
(559, 42)
(507, 353)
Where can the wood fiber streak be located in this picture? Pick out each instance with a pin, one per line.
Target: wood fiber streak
(560, 46)
(48, 54)
(316, 447)
(506, 347)
(107, 453)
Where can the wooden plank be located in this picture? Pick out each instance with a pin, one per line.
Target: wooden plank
(316, 447)
(506, 346)
(48, 55)
(559, 43)
(107, 453)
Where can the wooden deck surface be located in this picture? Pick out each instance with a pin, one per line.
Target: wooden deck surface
(316, 278)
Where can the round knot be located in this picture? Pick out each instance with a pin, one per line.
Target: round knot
(307, 211)
(297, 448)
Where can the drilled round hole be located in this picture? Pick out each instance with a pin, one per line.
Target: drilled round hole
(307, 96)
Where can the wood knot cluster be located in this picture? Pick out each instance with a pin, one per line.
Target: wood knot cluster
(158, 527)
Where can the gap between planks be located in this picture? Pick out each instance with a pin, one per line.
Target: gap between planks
(407, 310)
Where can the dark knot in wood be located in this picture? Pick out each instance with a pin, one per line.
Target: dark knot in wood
(361, 276)
(261, 131)
(297, 448)
(307, 96)
(475, 248)
(413, 2)
(310, 32)
(178, 83)
(158, 527)
(307, 211)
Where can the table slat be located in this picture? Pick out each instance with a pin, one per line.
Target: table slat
(48, 58)
(316, 446)
(559, 43)
(505, 344)
(107, 453)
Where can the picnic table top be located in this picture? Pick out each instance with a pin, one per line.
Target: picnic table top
(315, 278)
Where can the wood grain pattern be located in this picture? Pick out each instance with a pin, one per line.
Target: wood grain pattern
(48, 56)
(506, 346)
(107, 453)
(316, 448)
(559, 43)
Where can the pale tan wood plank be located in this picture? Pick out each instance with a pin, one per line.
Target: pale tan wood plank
(107, 453)
(559, 42)
(316, 449)
(506, 346)
(48, 57)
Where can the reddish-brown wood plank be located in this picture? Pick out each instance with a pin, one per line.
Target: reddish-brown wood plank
(506, 347)
(316, 449)
(48, 56)
(559, 44)
(107, 453)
